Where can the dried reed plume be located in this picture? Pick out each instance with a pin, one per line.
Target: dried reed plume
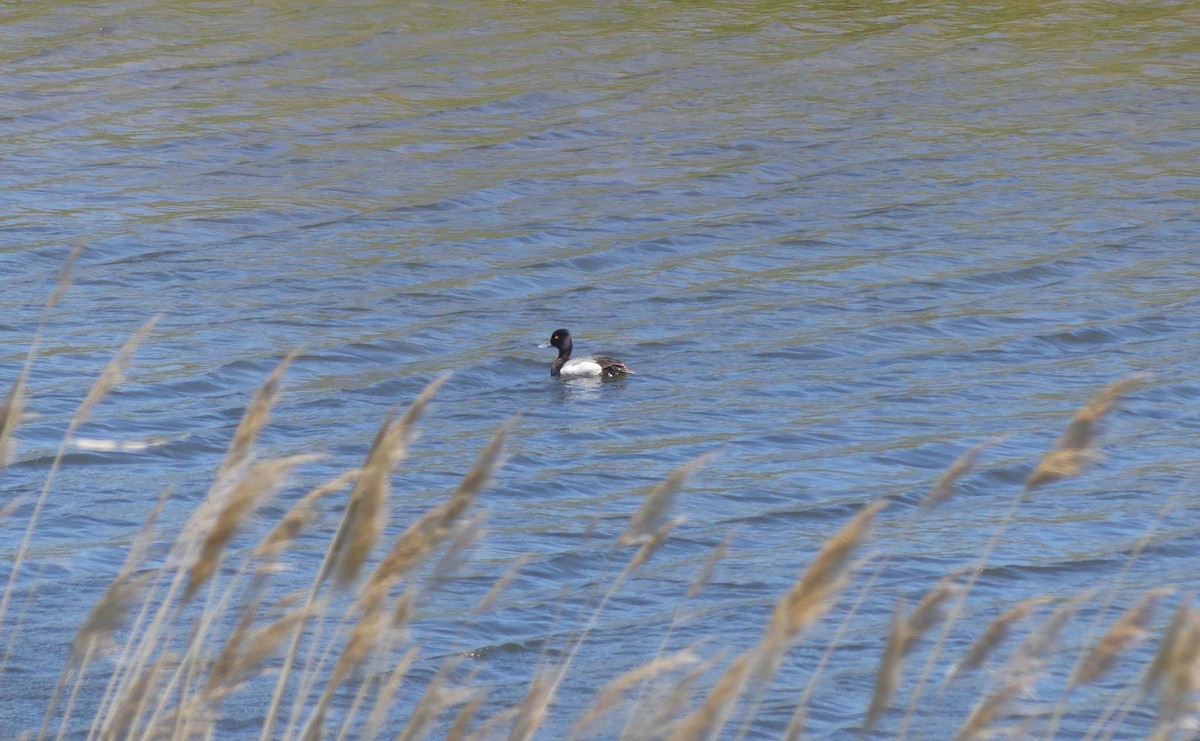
(887, 678)
(366, 511)
(1181, 675)
(7, 510)
(1075, 450)
(458, 729)
(928, 611)
(707, 720)
(64, 277)
(812, 595)
(437, 698)
(1166, 647)
(360, 527)
(943, 488)
(121, 721)
(979, 722)
(109, 378)
(1031, 655)
(13, 406)
(709, 568)
(412, 548)
(464, 535)
(259, 482)
(108, 615)
(1124, 633)
(611, 693)
(299, 516)
(432, 529)
(649, 516)
(112, 375)
(11, 411)
(501, 583)
(659, 717)
(235, 665)
(902, 638)
(241, 445)
(652, 544)
(384, 699)
(532, 709)
(995, 634)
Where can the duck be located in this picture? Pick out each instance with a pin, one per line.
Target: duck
(593, 366)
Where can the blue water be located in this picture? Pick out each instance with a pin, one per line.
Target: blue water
(839, 245)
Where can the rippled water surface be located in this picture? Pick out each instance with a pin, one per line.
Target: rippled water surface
(839, 243)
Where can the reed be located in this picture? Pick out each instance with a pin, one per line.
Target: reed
(172, 641)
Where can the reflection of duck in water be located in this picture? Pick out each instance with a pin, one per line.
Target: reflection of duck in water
(593, 366)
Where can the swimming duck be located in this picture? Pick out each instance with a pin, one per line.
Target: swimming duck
(594, 366)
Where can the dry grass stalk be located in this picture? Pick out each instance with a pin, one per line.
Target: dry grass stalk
(372, 628)
(366, 512)
(1075, 450)
(462, 721)
(532, 709)
(995, 634)
(652, 544)
(979, 722)
(1081, 432)
(111, 376)
(244, 654)
(367, 631)
(887, 679)
(431, 530)
(902, 638)
(464, 536)
(1124, 633)
(795, 729)
(10, 417)
(813, 593)
(502, 583)
(437, 698)
(122, 720)
(707, 720)
(655, 723)
(11, 411)
(406, 606)
(7, 510)
(107, 616)
(298, 517)
(260, 482)
(1166, 647)
(928, 611)
(64, 276)
(709, 568)
(1035, 649)
(1181, 677)
(943, 488)
(383, 699)
(487, 729)
(649, 516)
(1061, 464)
(360, 527)
(224, 668)
(264, 642)
(109, 613)
(241, 445)
(611, 693)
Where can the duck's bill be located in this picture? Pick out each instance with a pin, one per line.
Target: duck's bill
(543, 346)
